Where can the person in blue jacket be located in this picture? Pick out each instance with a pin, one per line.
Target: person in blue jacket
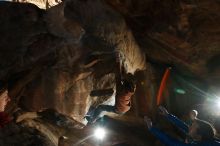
(201, 132)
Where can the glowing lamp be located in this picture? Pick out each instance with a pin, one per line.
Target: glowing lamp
(100, 133)
(218, 102)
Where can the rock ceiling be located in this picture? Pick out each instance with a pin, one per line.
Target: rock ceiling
(54, 54)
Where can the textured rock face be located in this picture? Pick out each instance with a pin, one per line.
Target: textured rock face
(14, 134)
(182, 33)
(74, 57)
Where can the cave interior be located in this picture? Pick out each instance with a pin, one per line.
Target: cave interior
(61, 58)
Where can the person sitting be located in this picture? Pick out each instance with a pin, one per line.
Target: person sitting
(4, 99)
(122, 101)
(192, 116)
(201, 132)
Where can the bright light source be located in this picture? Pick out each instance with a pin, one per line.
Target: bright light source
(218, 102)
(100, 133)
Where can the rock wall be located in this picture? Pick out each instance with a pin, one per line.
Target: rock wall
(76, 50)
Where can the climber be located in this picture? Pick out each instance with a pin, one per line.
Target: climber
(4, 99)
(201, 132)
(125, 89)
